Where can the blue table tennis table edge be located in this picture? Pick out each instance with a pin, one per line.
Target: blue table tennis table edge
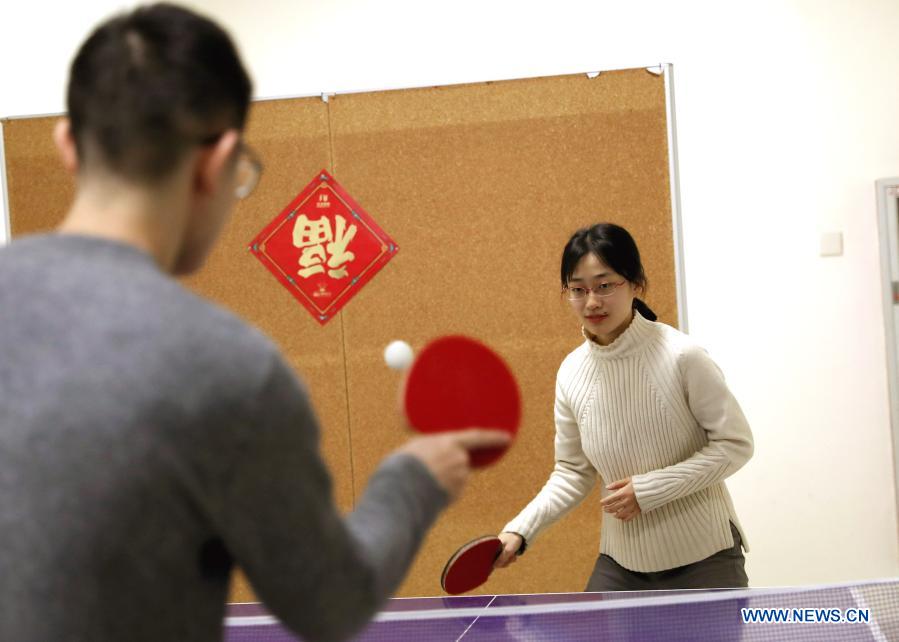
(601, 601)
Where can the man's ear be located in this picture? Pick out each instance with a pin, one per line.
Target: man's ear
(65, 145)
(213, 164)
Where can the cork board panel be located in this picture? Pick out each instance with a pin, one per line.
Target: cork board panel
(292, 140)
(481, 186)
(39, 189)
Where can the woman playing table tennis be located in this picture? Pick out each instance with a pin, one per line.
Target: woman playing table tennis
(644, 408)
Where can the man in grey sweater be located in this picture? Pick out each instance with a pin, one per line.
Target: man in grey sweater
(150, 440)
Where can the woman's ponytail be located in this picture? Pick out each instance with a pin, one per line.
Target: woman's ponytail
(644, 310)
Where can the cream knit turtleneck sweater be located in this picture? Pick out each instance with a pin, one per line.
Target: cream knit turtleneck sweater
(654, 407)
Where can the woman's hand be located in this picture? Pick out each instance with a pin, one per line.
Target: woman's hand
(511, 544)
(622, 503)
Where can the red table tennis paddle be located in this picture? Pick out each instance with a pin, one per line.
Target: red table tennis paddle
(471, 565)
(458, 382)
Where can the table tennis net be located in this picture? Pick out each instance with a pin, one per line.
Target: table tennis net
(863, 611)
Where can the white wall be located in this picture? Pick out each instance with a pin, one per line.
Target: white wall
(787, 112)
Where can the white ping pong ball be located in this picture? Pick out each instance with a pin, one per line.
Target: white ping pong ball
(398, 355)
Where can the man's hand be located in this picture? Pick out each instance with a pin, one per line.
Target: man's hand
(446, 455)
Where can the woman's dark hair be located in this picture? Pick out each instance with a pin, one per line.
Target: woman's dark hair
(147, 85)
(614, 246)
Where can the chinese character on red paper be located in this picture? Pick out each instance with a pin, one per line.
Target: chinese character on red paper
(323, 247)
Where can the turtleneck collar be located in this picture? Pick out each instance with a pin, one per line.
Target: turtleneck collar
(628, 342)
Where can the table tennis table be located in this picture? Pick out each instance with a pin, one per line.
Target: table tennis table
(845, 612)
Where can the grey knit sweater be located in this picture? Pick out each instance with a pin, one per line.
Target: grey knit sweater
(149, 441)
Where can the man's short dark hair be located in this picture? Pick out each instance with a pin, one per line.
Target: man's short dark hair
(147, 85)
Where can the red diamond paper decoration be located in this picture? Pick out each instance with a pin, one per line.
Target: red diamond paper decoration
(323, 247)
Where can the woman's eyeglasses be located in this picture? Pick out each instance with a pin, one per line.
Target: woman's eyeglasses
(601, 290)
